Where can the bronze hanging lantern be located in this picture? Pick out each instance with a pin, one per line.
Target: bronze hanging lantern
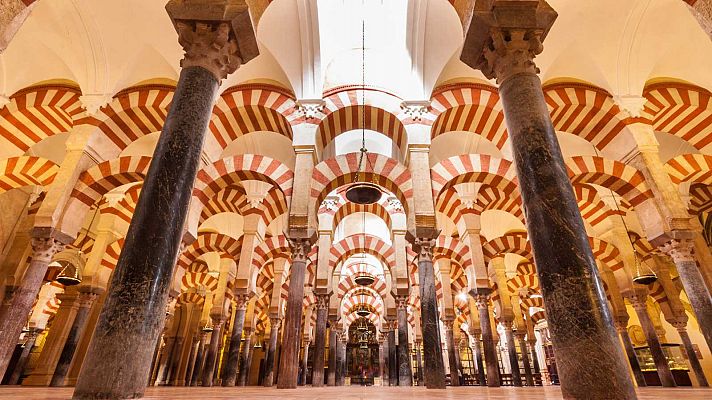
(69, 275)
(208, 327)
(365, 279)
(641, 277)
(363, 311)
(363, 193)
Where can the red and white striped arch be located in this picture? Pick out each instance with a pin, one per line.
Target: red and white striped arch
(523, 281)
(606, 253)
(512, 242)
(349, 274)
(480, 168)
(199, 279)
(361, 117)
(349, 208)
(251, 108)
(355, 244)
(623, 179)
(526, 268)
(125, 208)
(272, 248)
(51, 306)
(453, 250)
(111, 255)
(100, 179)
(341, 170)
(134, 113)
(233, 199)
(207, 242)
(682, 110)
(469, 107)
(17, 172)
(700, 198)
(586, 111)
(592, 208)
(693, 168)
(36, 113)
(191, 298)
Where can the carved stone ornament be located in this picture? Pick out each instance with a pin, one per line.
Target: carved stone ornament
(209, 46)
(415, 110)
(679, 250)
(511, 52)
(322, 301)
(395, 204)
(241, 301)
(275, 322)
(311, 110)
(43, 249)
(424, 248)
(401, 302)
(300, 248)
(481, 301)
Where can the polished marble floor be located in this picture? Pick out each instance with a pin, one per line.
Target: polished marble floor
(349, 393)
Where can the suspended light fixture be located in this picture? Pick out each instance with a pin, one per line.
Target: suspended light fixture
(363, 311)
(208, 327)
(365, 279)
(363, 192)
(69, 275)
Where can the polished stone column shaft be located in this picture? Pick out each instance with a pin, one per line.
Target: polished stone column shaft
(213, 350)
(289, 360)
(392, 356)
(419, 361)
(525, 360)
(340, 358)
(134, 311)
(381, 359)
(233, 356)
(86, 299)
(24, 356)
(535, 357)
(18, 305)
(490, 352)
(512, 353)
(405, 374)
(244, 359)
(632, 357)
(661, 363)
(580, 323)
(331, 377)
(386, 355)
(452, 357)
(691, 355)
(477, 350)
(199, 360)
(192, 360)
(270, 360)
(434, 373)
(304, 363)
(322, 312)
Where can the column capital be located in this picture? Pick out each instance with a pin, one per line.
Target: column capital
(449, 323)
(241, 300)
(301, 245)
(44, 248)
(423, 241)
(322, 301)
(401, 302)
(216, 35)
(679, 250)
(504, 36)
(275, 322)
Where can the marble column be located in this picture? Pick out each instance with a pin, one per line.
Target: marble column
(233, 356)
(248, 361)
(525, 359)
(339, 371)
(434, 374)
(381, 359)
(213, 350)
(392, 355)
(244, 359)
(405, 373)
(275, 323)
(451, 356)
(502, 41)
(304, 362)
(697, 292)
(86, 300)
(19, 303)
(199, 360)
(385, 328)
(622, 328)
(216, 40)
(289, 360)
(322, 312)
(192, 359)
(535, 357)
(419, 361)
(691, 355)
(342, 360)
(490, 352)
(24, 356)
(641, 309)
(331, 377)
(477, 353)
(512, 353)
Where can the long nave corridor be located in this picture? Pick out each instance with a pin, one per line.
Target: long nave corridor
(355, 199)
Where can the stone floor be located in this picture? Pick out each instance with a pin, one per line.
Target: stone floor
(349, 393)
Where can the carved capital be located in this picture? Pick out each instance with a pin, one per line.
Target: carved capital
(638, 301)
(241, 300)
(401, 302)
(449, 323)
(300, 247)
(43, 249)
(86, 299)
(415, 110)
(215, 34)
(511, 52)
(275, 323)
(507, 324)
(322, 301)
(424, 248)
(679, 250)
(482, 301)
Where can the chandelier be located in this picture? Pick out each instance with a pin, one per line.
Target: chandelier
(69, 275)
(365, 279)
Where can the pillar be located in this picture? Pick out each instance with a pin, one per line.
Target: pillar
(271, 351)
(535, 357)
(199, 360)
(192, 359)
(641, 309)
(381, 359)
(342, 359)
(385, 327)
(86, 300)
(244, 359)
(622, 328)
(211, 357)
(289, 360)
(419, 361)
(525, 359)
(405, 373)
(691, 355)
(434, 374)
(512, 353)
(694, 284)
(233, 356)
(339, 371)
(451, 356)
(331, 378)
(322, 312)
(502, 41)
(23, 297)
(477, 350)
(392, 355)
(24, 356)
(488, 344)
(216, 40)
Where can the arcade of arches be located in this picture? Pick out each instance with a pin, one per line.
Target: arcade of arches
(174, 179)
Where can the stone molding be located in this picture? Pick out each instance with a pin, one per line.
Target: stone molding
(679, 250)
(43, 248)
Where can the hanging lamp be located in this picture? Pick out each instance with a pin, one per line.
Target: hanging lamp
(363, 192)
(208, 327)
(365, 279)
(69, 275)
